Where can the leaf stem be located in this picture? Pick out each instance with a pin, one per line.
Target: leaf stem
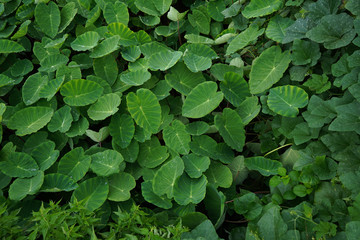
(178, 30)
(274, 150)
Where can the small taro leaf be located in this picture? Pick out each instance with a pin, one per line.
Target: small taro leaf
(200, 21)
(244, 38)
(193, 38)
(92, 193)
(215, 205)
(238, 169)
(106, 68)
(28, 186)
(74, 164)
(263, 165)
(131, 53)
(162, 90)
(162, 5)
(305, 52)
(151, 197)
(48, 18)
(67, 14)
(135, 78)
(165, 178)
(120, 185)
(198, 57)
(271, 224)
(151, 48)
(127, 37)
(45, 155)
(21, 68)
(204, 145)
(144, 109)
(231, 129)
(94, 15)
(268, 68)
(335, 31)
(105, 106)
(219, 70)
(32, 87)
(195, 165)
(122, 129)
(219, 175)
(20, 165)
(249, 109)
(276, 28)
(259, 8)
(61, 120)
(318, 83)
(189, 190)
(130, 153)
(106, 47)
(5, 80)
(116, 12)
(164, 60)
(203, 99)
(152, 154)
(85, 41)
(57, 182)
(182, 79)
(214, 9)
(286, 100)
(174, 14)
(248, 205)
(150, 21)
(197, 128)
(176, 137)
(193, 219)
(30, 119)
(78, 128)
(298, 30)
(347, 118)
(52, 63)
(352, 230)
(354, 7)
(235, 88)
(80, 92)
(205, 230)
(98, 136)
(106, 163)
(148, 7)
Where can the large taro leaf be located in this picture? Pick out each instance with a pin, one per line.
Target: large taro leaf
(231, 128)
(265, 166)
(85, 41)
(45, 154)
(92, 193)
(268, 68)
(203, 99)
(116, 12)
(144, 109)
(48, 18)
(235, 88)
(25, 186)
(164, 60)
(105, 106)
(152, 154)
(219, 70)
(61, 120)
(198, 57)
(120, 185)
(176, 137)
(80, 92)
(165, 178)
(57, 182)
(195, 165)
(53, 62)
(219, 175)
(74, 164)
(204, 145)
(32, 87)
(189, 190)
(30, 119)
(8, 46)
(20, 165)
(286, 100)
(244, 38)
(259, 8)
(122, 129)
(149, 195)
(127, 37)
(106, 163)
(276, 28)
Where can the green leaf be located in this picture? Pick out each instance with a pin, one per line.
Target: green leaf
(165, 178)
(268, 68)
(215, 205)
(347, 118)
(244, 38)
(263, 165)
(152, 154)
(352, 230)
(116, 12)
(131, 53)
(151, 197)
(219, 175)
(45, 155)
(106, 47)
(198, 57)
(106, 68)
(164, 60)
(48, 18)
(235, 88)
(30, 119)
(271, 225)
(135, 78)
(197, 128)
(259, 8)
(98, 136)
(120, 185)
(203, 99)
(305, 52)
(298, 30)
(53, 62)
(195, 165)
(22, 30)
(20, 165)
(5, 80)
(67, 15)
(318, 83)
(74, 164)
(219, 70)
(144, 109)
(214, 9)
(32, 87)
(80, 92)
(199, 20)
(286, 100)
(61, 120)
(277, 26)
(205, 230)
(162, 5)
(7, 46)
(189, 190)
(21, 68)
(105, 106)
(51, 88)
(85, 41)
(204, 145)
(127, 37)
(20, 188)
(248, 205)
(176, 137)
(193, 38)
(57, 182)
(353, 6)
(122, 129)
(92, 193)
(148, 7)
(78, 128)
(106, 163)
(249, 109)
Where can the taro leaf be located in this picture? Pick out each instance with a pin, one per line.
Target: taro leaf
(30, 119)
(231, 129)
(151, 48)
(165, 178)
(182, 79)
(106, 47)
(305, 52)
(164, 60)
(197, 128)
(151, 197)
(152, 154)
(130, 153)
(335, 31)
(150, 21)
(259, 8)
(348, 118)
(131, 53)
(298, 30)
(189, 190)
(45, 155)
(20, 165)
(203, 99)
(135, 78)
(57, 182)
(319, 112)
(116, 12)
(32, 88)
(249, 109)
(127, 37)
(318, 83)
(302, 133)
(271, 225)
(67, 14)
(5, 80)
(120, 185)
(286, 100)
(276, 28)
(353, 6)
(354, 90)
(80, 92)
(219, 70)
(198, 57)
(28, 186)
(268, 68)
(174, 14)
(235, 88)
(205, 230)
(248, 205)
(106, 68)
(53, 62)
(98, 136)
(144, 109)
(352, 230)
(74, 164)
(85, 41)
(106, 163)
(21, 68)
(215, 205)
(148, 7)
(263, 165)
(195, 165)
(48, 18)
(214, 9)
(92, 193)
(7, 46)
(78, 128)
(320, 8)
(200, 21)
(193, 38)
(219, 175)
(61, 120)
(22, 30)
(204, 145)
(176, 137)
(244, 38)
(122, 129)
(105, 106)
(51, 88)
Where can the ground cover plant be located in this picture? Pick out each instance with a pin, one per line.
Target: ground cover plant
(165, 119)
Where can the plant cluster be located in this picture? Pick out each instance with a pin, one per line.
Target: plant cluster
(220, 118)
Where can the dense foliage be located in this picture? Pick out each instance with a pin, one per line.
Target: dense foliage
(158, 119)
